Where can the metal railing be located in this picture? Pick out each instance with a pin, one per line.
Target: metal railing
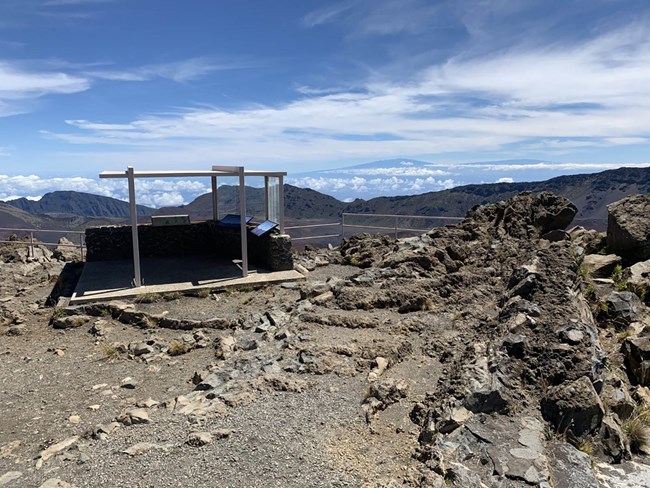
(31, 243)
(395, 225)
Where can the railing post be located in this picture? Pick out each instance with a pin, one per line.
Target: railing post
(137, 280)
(31, 244)
(395, 227)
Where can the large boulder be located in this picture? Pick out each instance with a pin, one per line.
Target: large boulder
(638, 278)
(623, 308)
(573, 407)
(637, 359)
(601, 266)
(628, 228)
(526, 215)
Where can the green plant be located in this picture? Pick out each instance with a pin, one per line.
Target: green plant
(586, 446)
(637, 429)
(147, 298)
(59, 313)
(620, 283)
(590, 292)
(176, 348)
(625, 333)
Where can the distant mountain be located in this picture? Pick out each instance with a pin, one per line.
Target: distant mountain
(591, 193)
(299, 203)
(12, 219)
(78, 203)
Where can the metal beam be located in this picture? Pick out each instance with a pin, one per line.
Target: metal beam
(215, 204)
(266, 197)
(242, 223)
(281, 204)
(137, 281)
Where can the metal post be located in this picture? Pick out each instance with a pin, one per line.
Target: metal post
(134, 228)
(215, 205)
(31, 244)
(242, 222)
(266, 197)
(281, 202)
(395, 226)
(342, 226)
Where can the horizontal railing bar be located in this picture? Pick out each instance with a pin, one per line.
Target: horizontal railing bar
(314, 237)
(312, 226)
(428, 217)
(43, 230)
(386, 228)
(39, 243)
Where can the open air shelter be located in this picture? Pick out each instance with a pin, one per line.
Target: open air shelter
(273, 201)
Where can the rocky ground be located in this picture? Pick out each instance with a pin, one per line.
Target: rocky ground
(503, 351)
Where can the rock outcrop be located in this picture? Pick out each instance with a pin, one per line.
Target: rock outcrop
(628, 228)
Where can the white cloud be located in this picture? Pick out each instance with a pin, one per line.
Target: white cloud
(326, 14)
(505, 180)
(597, 96)
(58, 3)
(19, 86)
(179, 71)
(395, 170)
(372, 186)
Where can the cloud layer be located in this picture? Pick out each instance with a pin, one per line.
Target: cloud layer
(552, 99)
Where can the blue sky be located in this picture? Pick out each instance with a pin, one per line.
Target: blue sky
(89, 85)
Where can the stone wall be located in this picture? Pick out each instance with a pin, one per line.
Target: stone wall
(272, 251)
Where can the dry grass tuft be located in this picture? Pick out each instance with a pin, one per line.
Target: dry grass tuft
(637, 430)
(176, 348)
(147, 298)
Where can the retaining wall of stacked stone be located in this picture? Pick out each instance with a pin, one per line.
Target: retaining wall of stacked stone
(271, 251)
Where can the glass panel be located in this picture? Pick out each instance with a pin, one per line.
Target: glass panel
(274, 199)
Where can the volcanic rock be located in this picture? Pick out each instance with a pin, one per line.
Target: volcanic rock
(628, 228)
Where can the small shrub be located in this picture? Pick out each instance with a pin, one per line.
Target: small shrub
(176, 348)
(590, 292)
(620, 283)
(59, 313)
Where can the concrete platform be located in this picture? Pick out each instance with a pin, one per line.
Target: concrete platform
(113, 280)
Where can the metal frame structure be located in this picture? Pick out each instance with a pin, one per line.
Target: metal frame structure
(217, 171)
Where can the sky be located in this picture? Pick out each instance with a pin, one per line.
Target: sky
(303, 86)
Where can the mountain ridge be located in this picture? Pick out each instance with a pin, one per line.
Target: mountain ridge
(590, 192)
